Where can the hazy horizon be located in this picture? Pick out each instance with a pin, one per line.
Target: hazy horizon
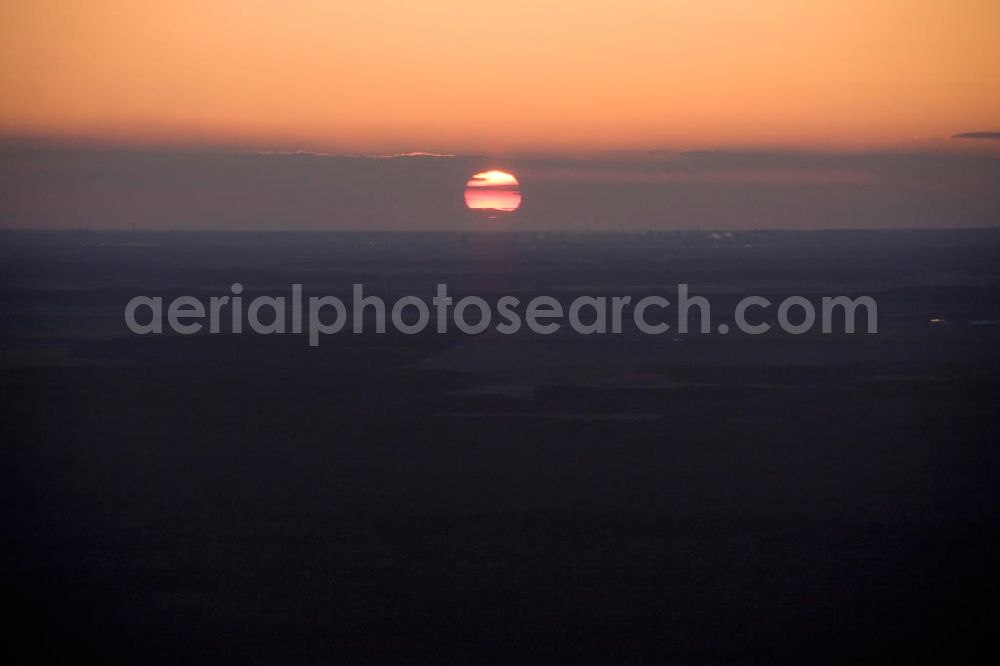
(59, 185)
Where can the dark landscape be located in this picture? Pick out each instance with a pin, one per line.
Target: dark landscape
(490, 499)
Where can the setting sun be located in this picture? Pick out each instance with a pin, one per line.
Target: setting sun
(493, 190)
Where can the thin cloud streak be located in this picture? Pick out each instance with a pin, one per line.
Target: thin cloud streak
(988, 136)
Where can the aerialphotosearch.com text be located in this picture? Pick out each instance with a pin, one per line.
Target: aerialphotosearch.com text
(320, 316)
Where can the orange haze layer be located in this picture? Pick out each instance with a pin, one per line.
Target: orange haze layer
(454, 75)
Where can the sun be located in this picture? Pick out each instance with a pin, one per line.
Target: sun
(492, 178)
(493, 191)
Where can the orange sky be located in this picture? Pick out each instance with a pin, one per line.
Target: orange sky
(462, 76)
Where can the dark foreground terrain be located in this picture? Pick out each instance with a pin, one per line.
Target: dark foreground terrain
(489, 499)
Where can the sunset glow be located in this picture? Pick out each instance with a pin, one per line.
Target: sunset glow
(390, 77)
